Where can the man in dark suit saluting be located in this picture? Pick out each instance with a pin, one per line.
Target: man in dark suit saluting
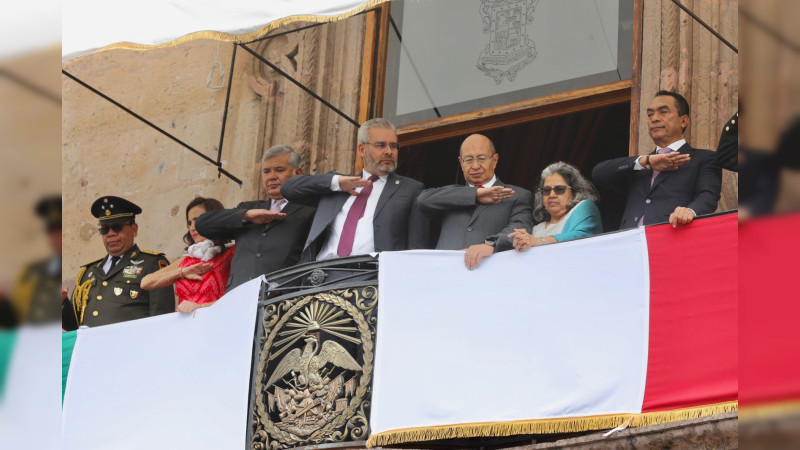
(674, 182)
(269, 233)
(370, 212)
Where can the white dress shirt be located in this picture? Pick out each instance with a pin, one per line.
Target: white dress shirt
(364, 241)
(674, 147)
(488, 184)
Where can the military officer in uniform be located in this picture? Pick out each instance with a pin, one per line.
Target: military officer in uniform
(35, 296)
(107, 290)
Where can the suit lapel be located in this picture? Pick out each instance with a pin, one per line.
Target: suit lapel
(480, 208)
(288, 209)
(663, 176)
(392, 186)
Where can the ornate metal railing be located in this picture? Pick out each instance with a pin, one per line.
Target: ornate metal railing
(313, 355)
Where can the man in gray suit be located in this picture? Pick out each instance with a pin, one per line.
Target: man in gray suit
(269, 233)
(478, 217)
(370, 212)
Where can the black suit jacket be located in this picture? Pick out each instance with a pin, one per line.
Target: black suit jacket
(260, 249)
(695, 185)
(397, 223)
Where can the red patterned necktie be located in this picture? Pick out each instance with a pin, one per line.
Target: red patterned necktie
(351, 223)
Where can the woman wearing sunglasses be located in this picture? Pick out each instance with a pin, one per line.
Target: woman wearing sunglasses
(201, 275)
(563, 209)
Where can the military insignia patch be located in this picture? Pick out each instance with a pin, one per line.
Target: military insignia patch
(134, 294)
(131, 271)
(117, 291)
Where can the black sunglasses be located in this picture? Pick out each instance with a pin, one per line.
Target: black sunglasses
(117, 227)
(560, 189)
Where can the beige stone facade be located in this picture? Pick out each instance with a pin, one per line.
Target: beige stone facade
(108, 152)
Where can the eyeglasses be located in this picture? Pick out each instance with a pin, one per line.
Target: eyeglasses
(481, 160)
(117, 227)
(560, 189)
(382, 145)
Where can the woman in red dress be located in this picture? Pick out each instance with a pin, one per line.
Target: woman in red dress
(201, 275)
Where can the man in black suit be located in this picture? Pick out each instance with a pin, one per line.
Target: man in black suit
(479, 216)
(674, 182)
(370, 212)
(269, 234)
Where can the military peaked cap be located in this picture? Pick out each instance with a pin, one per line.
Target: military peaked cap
(110, 210)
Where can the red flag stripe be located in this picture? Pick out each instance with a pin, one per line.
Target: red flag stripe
(693, 348)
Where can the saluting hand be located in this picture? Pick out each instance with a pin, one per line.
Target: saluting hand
(195, 271)
(668, 162)
(349, 184)
(494, 194)
(262, 216)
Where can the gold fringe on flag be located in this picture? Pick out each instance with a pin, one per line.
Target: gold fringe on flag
(242, 38)
(544, 426)
(780, 408)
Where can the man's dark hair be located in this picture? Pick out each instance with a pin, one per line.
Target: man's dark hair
(680, 101)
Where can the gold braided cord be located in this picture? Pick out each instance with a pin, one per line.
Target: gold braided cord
(246, 37)
(80, 296)
(545, 426)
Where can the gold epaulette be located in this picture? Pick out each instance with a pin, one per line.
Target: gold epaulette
(89, 264)
(150, 252)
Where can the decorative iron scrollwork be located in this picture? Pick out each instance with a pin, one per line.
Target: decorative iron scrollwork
(314, 373)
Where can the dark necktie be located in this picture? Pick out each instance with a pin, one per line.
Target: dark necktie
(351, 223)
(114, 261)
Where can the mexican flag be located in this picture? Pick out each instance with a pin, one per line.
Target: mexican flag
(631, 328)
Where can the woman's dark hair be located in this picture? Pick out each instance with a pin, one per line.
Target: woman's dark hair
(210, 204)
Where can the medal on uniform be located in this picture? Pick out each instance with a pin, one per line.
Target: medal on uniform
(117, 291)
(134, 294)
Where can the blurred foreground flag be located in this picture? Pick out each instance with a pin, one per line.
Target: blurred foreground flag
(636, 327)
(169, 381)
(30, 410)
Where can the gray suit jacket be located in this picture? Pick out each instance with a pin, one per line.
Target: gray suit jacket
(260, 249)
(465, 222)
(398, 224)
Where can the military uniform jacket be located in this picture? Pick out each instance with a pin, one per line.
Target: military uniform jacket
(465, 222)
(38, 292)
(102, 299)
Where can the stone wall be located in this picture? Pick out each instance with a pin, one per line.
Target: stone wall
(106, 151)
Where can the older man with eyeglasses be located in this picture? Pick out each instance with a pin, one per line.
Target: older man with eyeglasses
(107, 290)
(371, 212)
(479, 216)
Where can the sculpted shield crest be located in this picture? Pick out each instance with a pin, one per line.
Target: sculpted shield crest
(315, 369)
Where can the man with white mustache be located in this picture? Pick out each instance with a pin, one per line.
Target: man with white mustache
(371, 212)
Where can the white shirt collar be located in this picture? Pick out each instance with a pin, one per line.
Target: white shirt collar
(675, 145)
(365, 176)
(489, 183)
